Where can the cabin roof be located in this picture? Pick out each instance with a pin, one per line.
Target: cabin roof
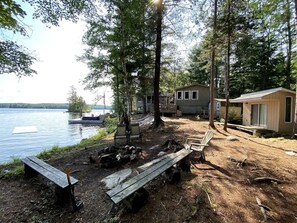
(192, 85)
(224, 100)
(260, 94)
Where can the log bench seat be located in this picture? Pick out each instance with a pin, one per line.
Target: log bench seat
(33, 166)
(125, 189)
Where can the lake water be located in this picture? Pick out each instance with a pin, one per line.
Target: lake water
(53, 129)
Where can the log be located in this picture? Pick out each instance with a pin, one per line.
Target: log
(267, 180)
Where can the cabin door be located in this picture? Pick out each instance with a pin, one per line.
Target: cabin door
(259, 115)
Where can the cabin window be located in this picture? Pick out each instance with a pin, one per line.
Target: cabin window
(187, 95)
(179, 95)
(259, 115)
(194, 95)
(288, 112)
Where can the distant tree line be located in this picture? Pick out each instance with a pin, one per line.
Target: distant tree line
(46, 106)
(41, 105)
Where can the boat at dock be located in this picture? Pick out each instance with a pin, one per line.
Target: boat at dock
(88, 120)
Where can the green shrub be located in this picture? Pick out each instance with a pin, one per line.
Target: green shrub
(234, 117)
(110, 124)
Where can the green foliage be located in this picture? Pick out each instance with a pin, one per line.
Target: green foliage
(11, 169)
(13, 57)
(110, 124)
(261, 46)
(198, 66)
(52, 12)
(9, 10)
(119, 50)
(234, 117)
(45, 154)
(77, 103)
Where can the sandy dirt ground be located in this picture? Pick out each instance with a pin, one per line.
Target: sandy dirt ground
(221, 189)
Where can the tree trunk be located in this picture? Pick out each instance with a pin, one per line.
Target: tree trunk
(289, 47)
(227, 73)
(157, 116)
(295, 119)
(213, 67)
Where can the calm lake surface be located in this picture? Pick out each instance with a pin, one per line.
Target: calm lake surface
(53, 129)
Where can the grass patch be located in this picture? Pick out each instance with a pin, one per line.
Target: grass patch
(11, 169)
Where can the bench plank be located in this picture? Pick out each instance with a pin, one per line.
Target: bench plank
(53, 174)
(122, 191)
(53, 170)
(135, 179)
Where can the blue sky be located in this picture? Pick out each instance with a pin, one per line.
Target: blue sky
(56, 49)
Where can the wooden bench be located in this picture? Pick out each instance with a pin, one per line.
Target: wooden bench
(198, 144)
(33, 166)
(127, 188)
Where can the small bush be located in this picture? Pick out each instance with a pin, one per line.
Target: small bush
(234, 117)
(110, 124)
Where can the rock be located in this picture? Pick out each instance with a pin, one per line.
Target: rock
(232, 138)
(154, 147)
(161, 153)
(291, 153)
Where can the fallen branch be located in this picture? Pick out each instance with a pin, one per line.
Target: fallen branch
(239, 162)
(267, 180)
(261, 208)
(222, 178)
(208, 198)
(180, 200)
(163, 206)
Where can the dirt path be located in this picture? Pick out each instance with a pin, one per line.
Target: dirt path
(219, 190)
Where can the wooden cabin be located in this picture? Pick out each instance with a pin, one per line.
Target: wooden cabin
(271, 109)
(166, 102)
(193, 99)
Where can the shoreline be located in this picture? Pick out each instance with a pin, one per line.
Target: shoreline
(14, 167)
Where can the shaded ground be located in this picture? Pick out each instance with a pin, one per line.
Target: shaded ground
(219, 190)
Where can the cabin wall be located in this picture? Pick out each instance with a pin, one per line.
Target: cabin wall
(272, 114)
(246, 114)
(197, 106)
(285, 127)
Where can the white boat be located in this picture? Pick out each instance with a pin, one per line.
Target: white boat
(88, 120)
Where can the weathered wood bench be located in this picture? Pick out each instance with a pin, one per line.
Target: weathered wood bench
(33, 166)
(127, 188)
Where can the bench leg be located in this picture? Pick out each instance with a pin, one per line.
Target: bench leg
(136, 200)
(29, 172)
(62, 195)
(185, 164)
(172, 175)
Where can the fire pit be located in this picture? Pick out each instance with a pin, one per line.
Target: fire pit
(115, 156)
